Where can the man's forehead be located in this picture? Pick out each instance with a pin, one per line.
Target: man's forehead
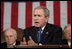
(9, 31)
(39, 10)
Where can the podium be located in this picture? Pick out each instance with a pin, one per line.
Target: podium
(40, 46)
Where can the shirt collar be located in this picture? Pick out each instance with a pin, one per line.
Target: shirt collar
(14, 43)
(69, 43)
(11, 46)
(43, 28)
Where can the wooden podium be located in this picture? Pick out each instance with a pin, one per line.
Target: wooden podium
(41, 46)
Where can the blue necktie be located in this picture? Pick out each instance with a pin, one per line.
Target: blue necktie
(39, 35)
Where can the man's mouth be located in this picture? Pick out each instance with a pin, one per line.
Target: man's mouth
(36, 22)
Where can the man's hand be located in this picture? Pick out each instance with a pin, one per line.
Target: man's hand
(31, 42)
(24, 41)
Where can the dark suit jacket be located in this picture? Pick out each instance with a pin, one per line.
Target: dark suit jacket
(64, 41)
(52, 34)
(4, 45)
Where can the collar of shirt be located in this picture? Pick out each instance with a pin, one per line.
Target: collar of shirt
(14, 43)
(69, 43)
(11, 46)
(43, 28)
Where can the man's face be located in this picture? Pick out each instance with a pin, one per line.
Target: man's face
(68, 33)
(39, 18)
(10, 37)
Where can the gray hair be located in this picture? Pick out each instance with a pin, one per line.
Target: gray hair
(66, 27)
(46, 11)
(13, 30)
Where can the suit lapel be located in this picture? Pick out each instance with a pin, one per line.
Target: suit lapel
(45, 33)
(17, 43)
(46, 29)
(34, 33)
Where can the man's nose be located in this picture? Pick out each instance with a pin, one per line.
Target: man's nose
(36, 17)
(9, 38)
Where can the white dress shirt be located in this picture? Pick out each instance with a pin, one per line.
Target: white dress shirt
(69, 43)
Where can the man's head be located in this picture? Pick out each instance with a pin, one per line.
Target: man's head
(41, 15)
(67, 32)
(10, 36)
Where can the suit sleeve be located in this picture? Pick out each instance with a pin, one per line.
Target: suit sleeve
(26, 35)
(58, 36)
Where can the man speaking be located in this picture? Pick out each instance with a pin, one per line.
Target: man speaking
(42, 33)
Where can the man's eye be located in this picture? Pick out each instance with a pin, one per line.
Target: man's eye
(6, 36)
(39, 15)
(10, 36)
(34, 15)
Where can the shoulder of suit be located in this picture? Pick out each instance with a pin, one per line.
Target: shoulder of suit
(54, 26)
(30, 28)
(4, 43)
(64, 41)
(17, 42)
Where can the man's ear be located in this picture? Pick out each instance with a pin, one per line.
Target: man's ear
(16, 37)
(47, 18)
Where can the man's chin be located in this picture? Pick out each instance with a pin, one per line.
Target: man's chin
(10, 43)
(36, 26)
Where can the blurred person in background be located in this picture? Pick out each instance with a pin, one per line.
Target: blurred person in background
(10, 38)
(67, 35)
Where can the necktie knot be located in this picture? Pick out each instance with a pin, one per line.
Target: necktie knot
(40, 30)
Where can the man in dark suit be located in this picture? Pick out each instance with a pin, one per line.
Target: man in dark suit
(67, 35)
(10, 38)
(4, 45)
(42, 33)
